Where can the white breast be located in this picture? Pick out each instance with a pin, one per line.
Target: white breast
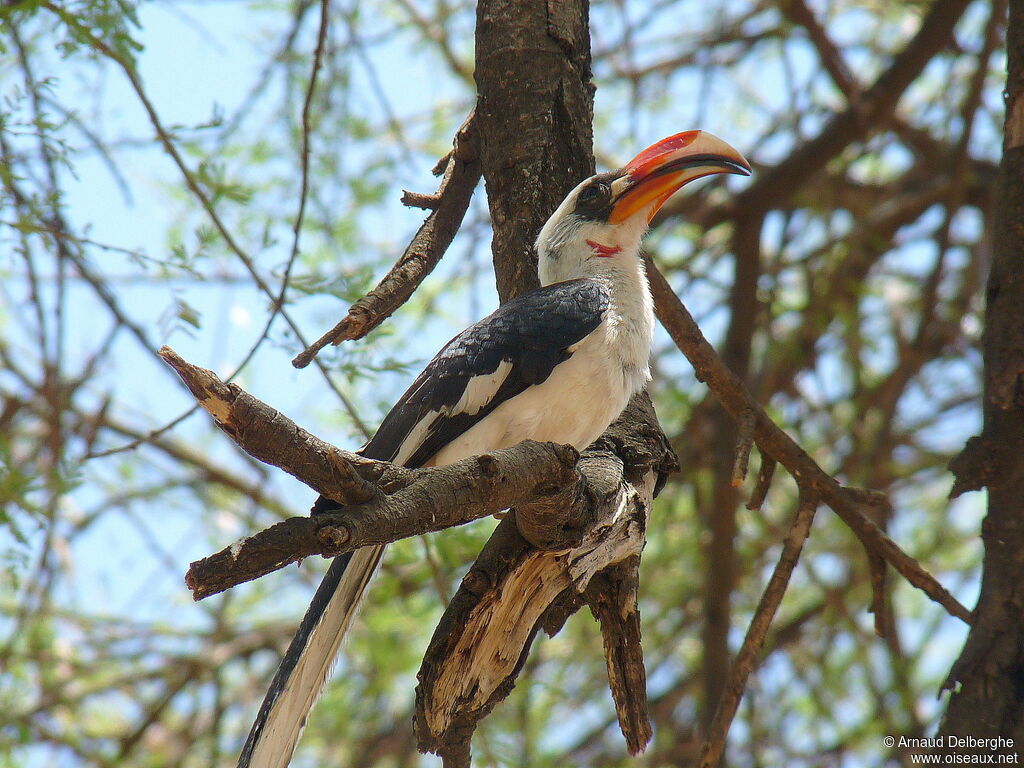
(574, 405)
(587, 392)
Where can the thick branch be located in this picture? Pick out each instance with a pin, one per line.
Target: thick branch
(384, 502)
(423, 252)
(485, 635)
(987, 700)
(535, 111)
(440, 497)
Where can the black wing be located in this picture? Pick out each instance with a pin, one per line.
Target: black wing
(531, 334)
(485, 365)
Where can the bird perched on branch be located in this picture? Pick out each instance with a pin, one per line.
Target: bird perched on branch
(556, 364)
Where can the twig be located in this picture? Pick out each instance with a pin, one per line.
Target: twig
(420, 200)
(764, 483)
(776, 184)
(711, 753)
(304, 152)
(420, 256)
(876, 566)
(286, 542)
(434, 30)
(828, 53)
(197, 191)
(773, 441)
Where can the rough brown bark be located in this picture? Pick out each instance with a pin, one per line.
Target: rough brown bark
(513, 590)
(612, 596)
(988, 678)
(535, 112)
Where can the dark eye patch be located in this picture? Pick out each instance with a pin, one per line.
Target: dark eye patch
(593, 192)
(594, 201)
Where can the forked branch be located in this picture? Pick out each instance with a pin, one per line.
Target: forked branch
(383, 502)
(849, 503)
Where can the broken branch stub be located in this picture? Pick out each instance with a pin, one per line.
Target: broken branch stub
(514, 589)
(612, 597)
(485, 635)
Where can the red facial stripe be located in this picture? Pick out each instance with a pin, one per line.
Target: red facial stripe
(602, 250)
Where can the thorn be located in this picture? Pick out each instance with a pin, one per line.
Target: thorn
(744, 442)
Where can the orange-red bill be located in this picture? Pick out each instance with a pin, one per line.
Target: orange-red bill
(657, 173)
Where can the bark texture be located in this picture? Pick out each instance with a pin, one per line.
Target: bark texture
(535, 110)
(988, 678)
(534, 115)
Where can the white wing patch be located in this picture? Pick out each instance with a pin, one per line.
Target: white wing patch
(415, 438)
(480, 390)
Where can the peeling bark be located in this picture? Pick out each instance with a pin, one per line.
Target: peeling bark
(513, 590)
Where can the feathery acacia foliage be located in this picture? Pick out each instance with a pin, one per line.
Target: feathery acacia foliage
(153, 161)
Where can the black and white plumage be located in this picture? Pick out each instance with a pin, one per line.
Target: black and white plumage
(485, 367)
(558, 363)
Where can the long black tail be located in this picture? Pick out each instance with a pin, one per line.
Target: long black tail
(308, 661)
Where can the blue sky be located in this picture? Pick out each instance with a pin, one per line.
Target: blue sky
(198, 61)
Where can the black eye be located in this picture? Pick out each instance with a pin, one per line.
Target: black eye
(594, 193)
(594, 200)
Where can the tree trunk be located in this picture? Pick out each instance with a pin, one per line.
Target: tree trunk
(988, 678)
(535, 109)
(534, 116)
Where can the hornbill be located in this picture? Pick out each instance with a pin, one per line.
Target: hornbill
(557, 364)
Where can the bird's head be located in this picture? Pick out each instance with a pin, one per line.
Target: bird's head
(598, 227)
